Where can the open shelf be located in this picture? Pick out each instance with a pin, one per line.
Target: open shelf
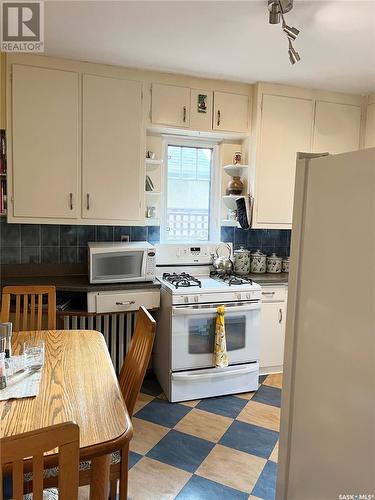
(230, 201)
(152, 192)
(235, 170)
(152, 164)
(152, 222)
(229, 223)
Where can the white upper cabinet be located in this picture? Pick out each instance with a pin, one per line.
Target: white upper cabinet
(285, 129)
(231, 112)
(337, 127)
(370, 125)
(45, 143)
(113, 171)
(201, 103)
(170, 105)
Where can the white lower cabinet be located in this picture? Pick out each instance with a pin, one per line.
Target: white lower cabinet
(273, 315)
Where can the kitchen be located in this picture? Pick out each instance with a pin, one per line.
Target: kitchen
(118, 175)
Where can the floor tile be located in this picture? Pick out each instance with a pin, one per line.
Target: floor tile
(266, 484)
(204, 425)
(242, 473)
(274, 380)
(192, 404)
(245, 395)
(163, 413)
(133, 459)
(146, 435)
(199, 488)
(268, 395)
(152, 479)
(275, 453)
(151, 386)
(227, 406)
(142, 401)
(181, 450)
(260, 414)
(250, 438)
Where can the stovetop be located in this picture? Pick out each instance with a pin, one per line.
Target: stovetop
(181, 280)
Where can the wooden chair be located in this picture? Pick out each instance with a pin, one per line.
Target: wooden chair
(33, 444)
(130, 380)
(29, 318)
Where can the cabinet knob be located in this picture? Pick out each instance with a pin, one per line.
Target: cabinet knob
(71, 201)
(218, 117)
(88, 201)
(184, 114)
(280, 315)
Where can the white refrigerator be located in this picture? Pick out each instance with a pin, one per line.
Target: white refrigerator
(327, 437)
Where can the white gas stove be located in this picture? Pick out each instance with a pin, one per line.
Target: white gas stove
(190, 295)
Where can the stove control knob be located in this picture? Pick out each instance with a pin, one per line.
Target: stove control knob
(196, 298)
(186, 300)
(238, 296)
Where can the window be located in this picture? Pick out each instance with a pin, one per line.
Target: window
(189, 214)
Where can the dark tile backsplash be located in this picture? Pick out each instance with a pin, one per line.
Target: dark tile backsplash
(66, 244)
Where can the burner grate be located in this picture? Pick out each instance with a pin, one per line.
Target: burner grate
(181, 280)
(231, 279)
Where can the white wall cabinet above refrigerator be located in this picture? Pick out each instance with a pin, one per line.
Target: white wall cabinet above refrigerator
(45, 143)
(288, 120)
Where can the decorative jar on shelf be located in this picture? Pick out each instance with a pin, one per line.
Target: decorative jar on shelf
(237, 157)
(235, 186)
(285, 265)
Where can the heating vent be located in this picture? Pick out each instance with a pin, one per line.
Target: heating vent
(117, 330)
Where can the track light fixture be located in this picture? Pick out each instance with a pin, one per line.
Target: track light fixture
(277, 9)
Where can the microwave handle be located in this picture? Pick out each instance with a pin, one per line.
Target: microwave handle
(225, 373)
(193, 311)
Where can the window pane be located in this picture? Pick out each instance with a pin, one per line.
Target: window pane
(189, 187)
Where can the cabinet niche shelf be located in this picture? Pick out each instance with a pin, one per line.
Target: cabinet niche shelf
(230, 201)
(235, 170)
(152, 164)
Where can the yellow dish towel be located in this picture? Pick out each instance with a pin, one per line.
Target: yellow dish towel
(220, 350)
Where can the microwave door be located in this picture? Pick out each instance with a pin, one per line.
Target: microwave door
(112, 267)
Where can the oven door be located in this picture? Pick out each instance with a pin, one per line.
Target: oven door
(193, 334)
(117, 267)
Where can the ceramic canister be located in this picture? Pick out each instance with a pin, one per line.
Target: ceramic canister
(241, 261)
(258, 262)
(274, 264)
(285, 265)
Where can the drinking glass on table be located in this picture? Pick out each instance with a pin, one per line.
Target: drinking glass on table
(33, 351)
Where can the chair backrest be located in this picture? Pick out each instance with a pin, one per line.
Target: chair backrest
(135, 365)
(29, 307)
(33, 444)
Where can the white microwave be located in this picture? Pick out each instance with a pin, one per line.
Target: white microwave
(121, 262)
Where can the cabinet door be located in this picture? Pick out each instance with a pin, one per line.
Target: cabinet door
(112, 161)
(272, 336)
(45, 142)
(231, 112)
(370, 127)
(170, 105)
(201, 102)
(336, 128)
(286, 124)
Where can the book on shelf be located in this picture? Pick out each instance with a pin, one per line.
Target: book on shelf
(3, 156)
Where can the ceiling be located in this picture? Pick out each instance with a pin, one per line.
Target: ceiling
(229, 40)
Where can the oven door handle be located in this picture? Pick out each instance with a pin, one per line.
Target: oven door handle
(193, 310)
(231, 371)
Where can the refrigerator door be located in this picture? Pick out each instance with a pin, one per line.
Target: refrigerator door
(327, 439)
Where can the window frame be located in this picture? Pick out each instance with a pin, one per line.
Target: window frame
(214, 227)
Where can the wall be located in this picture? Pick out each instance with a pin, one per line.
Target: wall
(64, 244)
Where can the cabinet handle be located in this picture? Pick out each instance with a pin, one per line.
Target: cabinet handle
(88, 201)
(184, 115)
(128, 303)
(280, 315)
(268, 293)
(71, 201)
(218, 117)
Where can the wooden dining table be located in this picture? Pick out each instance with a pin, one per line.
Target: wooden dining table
(78, 384)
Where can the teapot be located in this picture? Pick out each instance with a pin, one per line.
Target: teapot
(222, 265)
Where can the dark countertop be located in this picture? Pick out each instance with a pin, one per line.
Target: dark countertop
(270, 278)
(68, 278)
